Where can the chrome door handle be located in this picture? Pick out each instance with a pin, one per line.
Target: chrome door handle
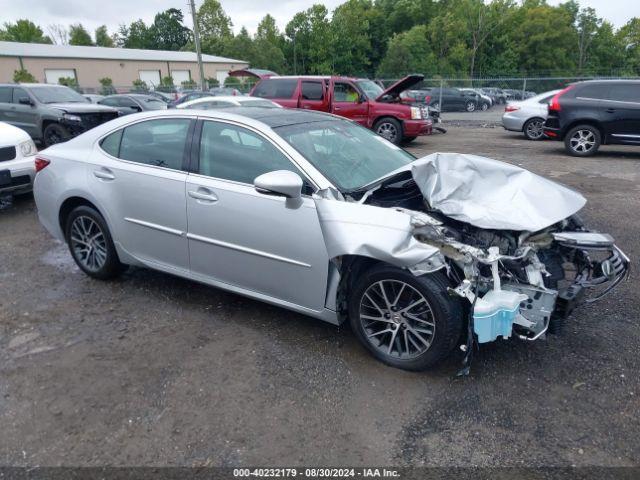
(104, 175)
(205, 197)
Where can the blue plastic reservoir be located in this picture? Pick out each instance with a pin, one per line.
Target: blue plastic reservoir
(493, 314)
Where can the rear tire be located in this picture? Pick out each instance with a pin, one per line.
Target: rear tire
(91, 245)
(582, 141)
(374, 318)
(470, 107)
(389, 128)
(485, 107)
(532, 129)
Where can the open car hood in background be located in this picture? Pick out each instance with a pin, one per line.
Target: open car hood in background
(253, 72)
(492, 194)
(401, 85)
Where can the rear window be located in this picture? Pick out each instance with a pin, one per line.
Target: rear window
(626, 93)
(5, 94)
(599, 92)
(276, 88)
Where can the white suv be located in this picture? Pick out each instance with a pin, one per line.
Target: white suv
(17, 165)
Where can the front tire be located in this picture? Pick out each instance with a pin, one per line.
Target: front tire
(533, 129)
(91, 245)
(55, 133)
(389, 128)
(582, 141)
(404, 321)
(485, 107)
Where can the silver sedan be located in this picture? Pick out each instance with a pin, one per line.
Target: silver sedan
(319, 215)
(528, 116)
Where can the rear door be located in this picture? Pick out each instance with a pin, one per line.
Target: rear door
(138, 173)
(313, 95)
(346, 101)
(622, 109)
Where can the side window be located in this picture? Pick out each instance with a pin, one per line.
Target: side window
(126, 102)
(111, 144)
(19, 93)
(546, 99)
(235, 153)
(345, 92)
(111, 102)
(156, 142)
(626, 93)
(5, 94)
(599, 92)
(312, 90)
(276, 88)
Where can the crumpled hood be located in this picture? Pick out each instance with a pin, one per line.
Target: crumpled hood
(492, 194)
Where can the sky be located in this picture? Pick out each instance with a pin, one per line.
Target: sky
(93, 13)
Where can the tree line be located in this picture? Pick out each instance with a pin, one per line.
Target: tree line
(389, 38)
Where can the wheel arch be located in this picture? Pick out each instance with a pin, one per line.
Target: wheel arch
(69, 204)
(588, 121)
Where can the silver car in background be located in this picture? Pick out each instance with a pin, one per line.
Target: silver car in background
(528, 116)
(317, 214)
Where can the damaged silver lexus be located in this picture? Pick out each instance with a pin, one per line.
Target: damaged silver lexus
(319, 215)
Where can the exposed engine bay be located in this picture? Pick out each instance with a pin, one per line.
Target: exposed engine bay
(510, 241)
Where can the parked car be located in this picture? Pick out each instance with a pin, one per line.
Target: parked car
(496, 94)
(133, 103)
(164, 96)
(17, 167)
(188, 95)
(588, 114)
(208, 103)
(359, 99)
(92, 97)
(319, 215)
(528, 116)
(50, 113)
(225, 92)
(453, 100)
(484, 101)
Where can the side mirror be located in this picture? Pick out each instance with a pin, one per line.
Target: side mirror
(25, 101)
(279, 182)
(135, 108)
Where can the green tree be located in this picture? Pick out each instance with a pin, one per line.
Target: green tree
(107, 86)
(269, 42)
(607, 52)
(309, 35)
(136, 35)
(167, 31)
(78, 35)
(241, 47)
(629, 37)
(268, 30)
(351, 44)
(408, 52)
(587, 26)
(102, 37)
(23, 76)
(215, 27)
(23, 31)
(68, 82)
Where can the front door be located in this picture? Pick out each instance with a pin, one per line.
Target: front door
(24, 115)
(138, 172)
(347, 102)
(262, 243)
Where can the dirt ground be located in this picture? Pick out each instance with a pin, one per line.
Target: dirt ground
(155, 370)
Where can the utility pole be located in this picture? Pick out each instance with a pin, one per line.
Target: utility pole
(196, 37)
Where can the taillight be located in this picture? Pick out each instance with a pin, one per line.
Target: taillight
(554, 105)
(41, 163)
(511, 108)
(427, 99)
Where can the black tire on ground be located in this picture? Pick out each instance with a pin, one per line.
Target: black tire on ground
(532, 129)
(485, 106)
(446, 314)
(408, 139)
(109, 265)
(470, 106)
(55, 133)
(389, 128)
(582, 141)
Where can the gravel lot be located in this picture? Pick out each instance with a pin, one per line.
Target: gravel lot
(155, 370)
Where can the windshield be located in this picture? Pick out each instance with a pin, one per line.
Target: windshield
(371, 89)
(57, 95)
(349, 155)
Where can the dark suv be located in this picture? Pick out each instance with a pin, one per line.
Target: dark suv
(50, 113)
(588, 114)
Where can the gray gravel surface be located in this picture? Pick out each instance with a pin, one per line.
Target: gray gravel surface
(155, 370)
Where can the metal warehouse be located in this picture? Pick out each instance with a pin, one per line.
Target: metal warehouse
(49, 63)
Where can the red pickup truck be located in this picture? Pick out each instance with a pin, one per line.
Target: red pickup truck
(358, 99)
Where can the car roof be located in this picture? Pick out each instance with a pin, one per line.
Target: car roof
(32, 85)
(279, 117)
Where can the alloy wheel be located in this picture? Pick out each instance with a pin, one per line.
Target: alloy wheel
(485, 107)
(582, 141)
(388, 131)
(88, 243)
(397, 319)
(471, 107)
(535, 130)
